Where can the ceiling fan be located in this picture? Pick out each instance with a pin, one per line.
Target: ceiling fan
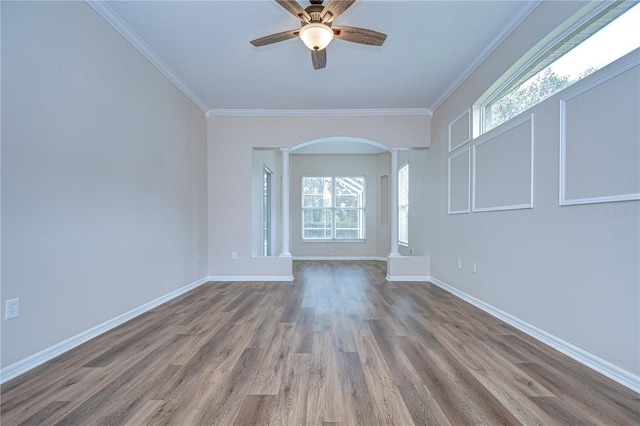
(317, 30)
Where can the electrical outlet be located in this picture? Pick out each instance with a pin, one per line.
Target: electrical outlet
(330, 248)
(459, 263)
(12, 309)
(234, 255)
(198, 258)
(474, 267)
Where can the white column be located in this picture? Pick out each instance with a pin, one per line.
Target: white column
(285, 202)
(393, 184)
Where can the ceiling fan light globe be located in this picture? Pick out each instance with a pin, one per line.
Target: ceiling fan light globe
(316, 36)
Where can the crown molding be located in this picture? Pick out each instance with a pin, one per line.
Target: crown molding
(506, 31)
(318, 112)
(119, 25)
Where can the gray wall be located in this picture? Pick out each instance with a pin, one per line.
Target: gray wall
(103, 176)
(273, 160)
(418, 203)
(571, 271)
(231, 143)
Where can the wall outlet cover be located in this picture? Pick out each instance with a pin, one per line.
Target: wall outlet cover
(12, 309)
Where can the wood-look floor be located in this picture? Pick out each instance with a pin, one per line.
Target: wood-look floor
(339, 345)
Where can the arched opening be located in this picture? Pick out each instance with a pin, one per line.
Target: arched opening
(340, 145)
(341, 159)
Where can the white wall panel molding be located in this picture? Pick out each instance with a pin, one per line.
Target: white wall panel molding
(460, 130)
(600, 147)
(30, 362)
(505, 182)
(462, 174)
(621, 376)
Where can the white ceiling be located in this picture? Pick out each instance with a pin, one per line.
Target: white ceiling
(203, 46)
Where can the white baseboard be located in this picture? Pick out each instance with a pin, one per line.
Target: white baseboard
(407, 278)
(250, 278)
(603, 367)
(384, 259)
(14, 370)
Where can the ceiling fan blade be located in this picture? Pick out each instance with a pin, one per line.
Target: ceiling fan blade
(359, 35)
(295, 9)
(274, 38)
(319, 58)
(334, 8)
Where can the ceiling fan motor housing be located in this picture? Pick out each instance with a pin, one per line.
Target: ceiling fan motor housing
(317, 28)
(315, 11)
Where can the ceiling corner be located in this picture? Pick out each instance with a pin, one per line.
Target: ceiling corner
(103, 9)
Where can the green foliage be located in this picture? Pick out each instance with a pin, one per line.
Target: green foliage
(543, 85)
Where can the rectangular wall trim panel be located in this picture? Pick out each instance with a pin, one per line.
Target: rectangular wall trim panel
(502, 177)
(600, 147)
(460, 130)
(459, 182)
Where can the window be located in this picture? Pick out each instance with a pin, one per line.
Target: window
(266, 210)
(605, 34)
(333, 208)
(403, 205)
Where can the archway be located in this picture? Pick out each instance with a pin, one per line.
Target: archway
(340, 145)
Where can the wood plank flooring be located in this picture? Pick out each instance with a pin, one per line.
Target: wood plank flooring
(338, 346)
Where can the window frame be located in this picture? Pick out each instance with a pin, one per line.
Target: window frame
(588, 21)
(333, 209)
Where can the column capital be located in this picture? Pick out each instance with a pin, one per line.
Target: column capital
(285, 150)
(394, 151)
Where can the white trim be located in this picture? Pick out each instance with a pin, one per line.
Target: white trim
(412, 278)
(493, 133)
(103, 9)
(248, 278)
(468, 209)
(502, 36)
(502, 208)
(563, 201)
(603, 367)
(318, 112)
(384, 259)
(379, 145)
(14, 370)
(604, 199)
(539, 55)
(453, 122)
